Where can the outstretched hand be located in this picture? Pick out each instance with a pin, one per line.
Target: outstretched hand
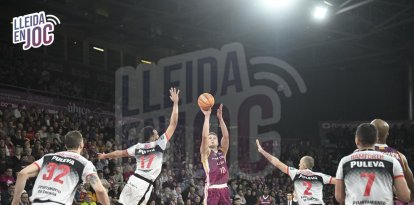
(174, 94)
(259, 146)
(206, 112)
(101, 156)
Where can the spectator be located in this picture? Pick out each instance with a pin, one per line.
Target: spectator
(250, 199)
(7, 177)
(104, 182)
(237, 200)
(7, 195)
(240, 195)
(24, 199)
(88, 200)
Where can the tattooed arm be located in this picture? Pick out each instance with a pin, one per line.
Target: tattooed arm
(100, 190)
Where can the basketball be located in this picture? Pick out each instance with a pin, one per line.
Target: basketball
(205, 101)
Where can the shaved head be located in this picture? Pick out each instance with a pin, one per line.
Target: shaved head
(383, 129)
(308, 162)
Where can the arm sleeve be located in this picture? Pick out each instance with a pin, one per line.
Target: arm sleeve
(131, 150)
(339, 172)
(162, 141)
(326, 178)
(292, 172)
(397, 169)
(88, 170)
(39, 163)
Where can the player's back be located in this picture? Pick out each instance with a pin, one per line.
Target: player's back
(368, 176)
(392, 152)
(59, 176)
(308, 185)
(264, 200)
(149, 157)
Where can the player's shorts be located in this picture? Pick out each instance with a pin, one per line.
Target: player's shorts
(217, 196)
(137, 191)
(398, 202)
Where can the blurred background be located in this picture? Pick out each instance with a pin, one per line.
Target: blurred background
(355, 58)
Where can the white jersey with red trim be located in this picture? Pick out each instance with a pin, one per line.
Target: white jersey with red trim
(369, 176)
(149, 157)
(59, 176)
(308, 185)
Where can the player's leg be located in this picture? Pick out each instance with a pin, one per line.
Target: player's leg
(213, 197)
(147, 194)
(133, 191)
(127, 195)
(224, 197)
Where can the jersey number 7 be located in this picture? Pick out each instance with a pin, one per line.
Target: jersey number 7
(371, 178)
(150, 159)
(51, 167)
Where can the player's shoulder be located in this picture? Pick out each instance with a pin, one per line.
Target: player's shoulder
(370, 155)
(75, 156)
(49, 154)
(163, 136)
(292, 169)
(317, 173)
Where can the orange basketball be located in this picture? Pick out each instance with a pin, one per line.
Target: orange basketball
(205, 101)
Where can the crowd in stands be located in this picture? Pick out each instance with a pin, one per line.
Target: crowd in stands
(29, 71)
(27, 133)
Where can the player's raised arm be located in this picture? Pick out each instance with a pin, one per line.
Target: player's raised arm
(272, 159)
(206, 131)
(100, 190)
(408, 176)
(174, 115)
(30, 171)
(224, 131)
(114, 154)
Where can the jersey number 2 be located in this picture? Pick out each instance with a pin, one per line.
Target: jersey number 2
(150, 159)
(309, 186)
(371, 178)
(51, 167)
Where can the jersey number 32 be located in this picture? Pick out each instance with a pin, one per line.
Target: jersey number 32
(51, 168)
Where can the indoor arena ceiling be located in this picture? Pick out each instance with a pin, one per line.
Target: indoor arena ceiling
(353, 30)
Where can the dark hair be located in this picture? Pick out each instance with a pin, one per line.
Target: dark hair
(73, 139)
(146, 132)
(367, 134)
(213, 133)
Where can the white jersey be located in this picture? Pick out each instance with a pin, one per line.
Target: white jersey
(308, 185)
(59, 176)
(149, 157)
(368, 177)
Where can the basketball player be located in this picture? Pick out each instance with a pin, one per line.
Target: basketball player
(307, 183)
(213, 158)
(265, 199)
(59, 175)
(381, 146)
(367, 176)
(149, 159)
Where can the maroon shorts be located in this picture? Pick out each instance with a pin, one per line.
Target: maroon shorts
(218, 196)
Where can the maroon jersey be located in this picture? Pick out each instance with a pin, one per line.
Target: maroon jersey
(265, 200)
(390, 152)
(216, 168)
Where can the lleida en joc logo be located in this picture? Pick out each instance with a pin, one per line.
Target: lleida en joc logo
(34, 30)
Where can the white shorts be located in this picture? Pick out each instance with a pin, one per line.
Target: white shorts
(135, 192)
